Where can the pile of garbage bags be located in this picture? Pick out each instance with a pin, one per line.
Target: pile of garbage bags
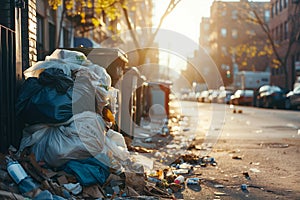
(62, 103)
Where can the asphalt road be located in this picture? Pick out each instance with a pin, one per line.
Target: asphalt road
(264, 143)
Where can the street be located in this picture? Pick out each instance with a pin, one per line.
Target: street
(262, 143)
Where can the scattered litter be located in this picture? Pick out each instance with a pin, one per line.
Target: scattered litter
(244, 187)
(247, 176)
(194, 184)
(179, 179)
(237, 157)
(219, 186)
(181, 171)
(254, 163)
(220, 194)
(175, 187)
(75, 188)
(254, 170)
(193, 181)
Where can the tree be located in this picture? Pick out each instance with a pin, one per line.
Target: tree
(87, 15)
(280, 60)
(142, 52)
(111, 9)
(254, 50)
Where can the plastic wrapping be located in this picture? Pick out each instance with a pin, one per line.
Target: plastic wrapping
(65, 60)
(79, 138)
(83, 136)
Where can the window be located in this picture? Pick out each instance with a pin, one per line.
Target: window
(206, 27)
(224, 50)
(281, 32)
(66, 38)
(223, 32)
(40, 37)
(273, 10)
(286, 3)
(223, 13)
(286, 29)
(234, 33)
(250, 32)
(52, 38)
(252, 15)
(267, 16)
(234, 14)
(277, 7)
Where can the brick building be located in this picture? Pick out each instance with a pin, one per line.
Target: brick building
(285, 31)
(232, 25)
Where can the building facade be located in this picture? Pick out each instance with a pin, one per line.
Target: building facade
(234, 35)
(285, 31)
(204, 33)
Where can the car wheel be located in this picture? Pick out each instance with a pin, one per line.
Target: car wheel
(287, 104)
(258, 103)
(267, 103)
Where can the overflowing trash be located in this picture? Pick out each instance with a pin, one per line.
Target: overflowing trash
(69, 148)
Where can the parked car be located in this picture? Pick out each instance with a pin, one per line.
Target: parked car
(224, 96)
(293, 98)
(212, 97)
(270, 96)
(204, 96)
(242, 97)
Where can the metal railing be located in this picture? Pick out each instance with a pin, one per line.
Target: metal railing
(9, 133)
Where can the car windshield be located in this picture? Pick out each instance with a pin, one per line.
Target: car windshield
(275, 89)
(248, 92)
(270, 88)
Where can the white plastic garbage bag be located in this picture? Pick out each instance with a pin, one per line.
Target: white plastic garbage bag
(82, 136)
(62, 59)
(115, 142)
(101, 83)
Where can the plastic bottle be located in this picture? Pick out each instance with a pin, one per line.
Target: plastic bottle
(179, 179)
(18, 174)
(193, 181)
(15, 170)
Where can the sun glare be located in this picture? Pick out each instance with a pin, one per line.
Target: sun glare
(185, 18)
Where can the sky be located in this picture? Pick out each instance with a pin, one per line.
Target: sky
(186, 17)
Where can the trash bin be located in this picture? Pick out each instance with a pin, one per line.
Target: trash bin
(132, 85)
(156, 100)
(114, 60)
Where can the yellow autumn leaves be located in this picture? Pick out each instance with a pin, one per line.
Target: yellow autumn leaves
(83, 8)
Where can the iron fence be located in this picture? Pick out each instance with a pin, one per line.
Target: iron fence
(8, 87)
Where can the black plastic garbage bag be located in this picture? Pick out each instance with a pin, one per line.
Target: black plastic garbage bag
(55, 78)
(49, 98)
